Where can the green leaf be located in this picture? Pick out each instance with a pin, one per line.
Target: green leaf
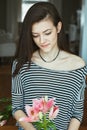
(6, 110)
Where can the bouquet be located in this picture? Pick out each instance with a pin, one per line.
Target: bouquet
(41, 113)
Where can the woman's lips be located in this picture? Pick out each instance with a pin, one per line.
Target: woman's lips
(45, 45)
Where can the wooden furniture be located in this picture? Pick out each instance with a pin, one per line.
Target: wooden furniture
(84, 122)
(5, 81)
(83, 128)
(16, 128)
(8, 128)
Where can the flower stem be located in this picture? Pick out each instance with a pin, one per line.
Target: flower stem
(45, 122)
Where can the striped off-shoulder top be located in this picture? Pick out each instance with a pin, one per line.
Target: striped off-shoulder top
(66, 86)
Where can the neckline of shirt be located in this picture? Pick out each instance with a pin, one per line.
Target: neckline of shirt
(61, 71)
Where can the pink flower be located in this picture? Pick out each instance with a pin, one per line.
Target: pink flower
(37, 104)
(38, 113)
(50, 103)
(53, 112)
(47, 105)
(42, 104)
(33, 115)
(3, 122)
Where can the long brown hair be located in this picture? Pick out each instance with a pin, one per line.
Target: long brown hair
(26, 45)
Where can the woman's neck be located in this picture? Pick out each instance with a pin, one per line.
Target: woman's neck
(49, 56)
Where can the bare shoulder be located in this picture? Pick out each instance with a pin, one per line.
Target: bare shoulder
(77, 61)
(72, 61)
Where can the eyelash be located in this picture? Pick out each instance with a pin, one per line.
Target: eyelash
(34, 36)
(48, 33)
(38, 35)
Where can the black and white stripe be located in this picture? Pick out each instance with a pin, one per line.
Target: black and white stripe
(66, 86)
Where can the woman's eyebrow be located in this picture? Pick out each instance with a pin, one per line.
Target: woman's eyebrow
(47, 30)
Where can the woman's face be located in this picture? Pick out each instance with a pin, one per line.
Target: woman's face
(45, 35)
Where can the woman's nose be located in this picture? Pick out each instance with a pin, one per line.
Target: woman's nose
(42, 39)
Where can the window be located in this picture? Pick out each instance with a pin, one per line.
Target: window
(26, 4)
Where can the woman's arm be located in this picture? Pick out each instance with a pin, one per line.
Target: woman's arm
(74, 124)
(27, 126)
(17, 100)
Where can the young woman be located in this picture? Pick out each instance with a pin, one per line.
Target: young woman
(44, 66)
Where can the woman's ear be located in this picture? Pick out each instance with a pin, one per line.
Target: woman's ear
(59, 26)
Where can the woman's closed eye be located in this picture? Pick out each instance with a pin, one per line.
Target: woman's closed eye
(35, 36)
(47, 33)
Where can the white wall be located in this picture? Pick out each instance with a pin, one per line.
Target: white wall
(83, 43)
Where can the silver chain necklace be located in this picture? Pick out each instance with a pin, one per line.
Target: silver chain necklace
(51, 60)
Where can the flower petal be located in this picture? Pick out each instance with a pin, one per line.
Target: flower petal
(53, 112)
(28, 109)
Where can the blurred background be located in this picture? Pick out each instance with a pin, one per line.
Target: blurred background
(12, 12)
